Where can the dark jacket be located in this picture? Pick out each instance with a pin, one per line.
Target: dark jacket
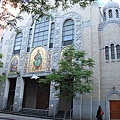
(98, 116)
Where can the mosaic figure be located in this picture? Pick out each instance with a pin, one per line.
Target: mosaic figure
(14, 64)
(38, 60)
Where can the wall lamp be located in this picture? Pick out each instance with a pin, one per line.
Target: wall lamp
(18, 73)
(3, 74)
(53, 69)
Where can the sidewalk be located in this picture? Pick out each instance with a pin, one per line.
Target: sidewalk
(17, 117)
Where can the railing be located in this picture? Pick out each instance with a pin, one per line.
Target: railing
(71, 113)
(11, 107)
(3, 105)
(39, 112)
(47, 110)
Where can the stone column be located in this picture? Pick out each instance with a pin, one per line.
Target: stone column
(18, 99)
(53, 102)
(4, 94)
(19, 91)
(77, 107)
(5, 85)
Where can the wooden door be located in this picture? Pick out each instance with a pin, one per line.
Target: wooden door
(29, 98)
(115, 109)
(11, 92)
(42, 100)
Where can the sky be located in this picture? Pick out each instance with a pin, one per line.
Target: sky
(103, 2)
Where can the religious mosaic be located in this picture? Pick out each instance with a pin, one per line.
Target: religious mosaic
(70, 59)
(61, 53)
(37, 60)
(14, 64)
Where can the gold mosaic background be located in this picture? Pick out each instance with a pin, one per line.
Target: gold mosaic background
(42, 66)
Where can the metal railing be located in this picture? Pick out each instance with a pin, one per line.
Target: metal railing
(39, 112)
(71, 113)
(11, 107)
(47, 110)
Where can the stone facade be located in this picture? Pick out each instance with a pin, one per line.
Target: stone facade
(93, 31)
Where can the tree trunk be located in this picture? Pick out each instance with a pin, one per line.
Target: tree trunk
(65, 103)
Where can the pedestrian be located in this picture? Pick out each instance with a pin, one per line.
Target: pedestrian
(99, 113)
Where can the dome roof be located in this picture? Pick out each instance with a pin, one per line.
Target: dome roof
(111, 4)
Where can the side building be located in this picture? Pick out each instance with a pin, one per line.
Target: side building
(35, 50)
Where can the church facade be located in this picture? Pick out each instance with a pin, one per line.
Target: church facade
(34, 50)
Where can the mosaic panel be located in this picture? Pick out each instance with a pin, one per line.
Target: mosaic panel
(37, 60)
(14, 64)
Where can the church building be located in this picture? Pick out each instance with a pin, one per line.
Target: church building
(34, 50)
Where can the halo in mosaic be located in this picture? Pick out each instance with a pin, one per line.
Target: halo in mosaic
(37, 60)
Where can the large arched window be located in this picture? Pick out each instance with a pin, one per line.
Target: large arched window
(68, 32)
(110, 14)
(17, 44)
(107, 53)
(41, 33)
(51, 35)
(29, 40)
(112, 51)
(118, 51)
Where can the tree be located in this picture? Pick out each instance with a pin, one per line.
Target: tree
(38, 8)
(2, 77)
(73, 76)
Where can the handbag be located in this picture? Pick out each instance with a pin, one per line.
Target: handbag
(101, 112)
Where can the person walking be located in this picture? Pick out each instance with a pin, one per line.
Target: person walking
(99, 113)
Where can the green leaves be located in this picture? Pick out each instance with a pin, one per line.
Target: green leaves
(2, 77)
(38, 8)
(1, 63)
(74, 74)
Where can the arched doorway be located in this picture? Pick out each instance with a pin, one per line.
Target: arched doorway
(113, 105)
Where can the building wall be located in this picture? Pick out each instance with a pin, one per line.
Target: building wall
(87, 37)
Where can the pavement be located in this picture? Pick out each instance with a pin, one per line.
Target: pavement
(17, 117)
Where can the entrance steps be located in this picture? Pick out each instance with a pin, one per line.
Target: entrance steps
(38, 113)
(60, 115)
(6, 110)
(35, 112)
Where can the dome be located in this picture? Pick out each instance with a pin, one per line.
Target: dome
(111, 4)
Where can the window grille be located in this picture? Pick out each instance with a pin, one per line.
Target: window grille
(68, 32)
(17, 44)
(107, 53)
(110, 14)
